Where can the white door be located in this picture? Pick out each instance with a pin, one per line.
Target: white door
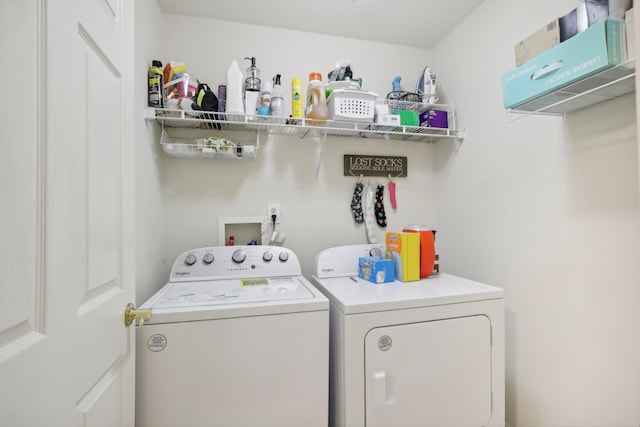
(429, 374)
(66, 244)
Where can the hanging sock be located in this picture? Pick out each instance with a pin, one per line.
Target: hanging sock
(356, 203)
(392, 194)
(369, 217)
(381, 218)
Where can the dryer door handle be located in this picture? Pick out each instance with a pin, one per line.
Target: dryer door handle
(379, 388)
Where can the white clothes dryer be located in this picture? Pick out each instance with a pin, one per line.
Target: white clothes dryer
(237, 338)
(428, 353)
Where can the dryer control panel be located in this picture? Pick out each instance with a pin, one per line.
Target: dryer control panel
(342, 261)
(227, 262)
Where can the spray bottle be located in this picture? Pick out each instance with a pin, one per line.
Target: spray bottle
(155, 85)
(395, 84)
(252, 88)
(296, 98)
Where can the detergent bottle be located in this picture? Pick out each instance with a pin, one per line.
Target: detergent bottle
(234, 103)
(317, 111)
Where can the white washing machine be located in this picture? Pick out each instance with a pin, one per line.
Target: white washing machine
(237, 338)
(428, 353)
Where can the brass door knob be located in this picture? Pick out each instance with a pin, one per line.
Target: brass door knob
(131, 314)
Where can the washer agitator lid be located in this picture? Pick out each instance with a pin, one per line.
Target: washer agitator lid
(234, 291)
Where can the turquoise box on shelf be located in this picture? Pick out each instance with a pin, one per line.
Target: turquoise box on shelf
(601, 46)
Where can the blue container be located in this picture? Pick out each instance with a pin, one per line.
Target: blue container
(376, 269)
(599, 47)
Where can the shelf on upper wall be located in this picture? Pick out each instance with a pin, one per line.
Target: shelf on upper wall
(207, 148)
(287, 126)
(605, 85)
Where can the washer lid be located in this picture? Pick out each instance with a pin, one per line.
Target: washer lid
(215, 299)
(353, 295)
(234, 291)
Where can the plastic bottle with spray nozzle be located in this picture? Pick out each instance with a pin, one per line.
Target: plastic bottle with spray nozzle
(297, 111)
(395, 84)
(156, 85)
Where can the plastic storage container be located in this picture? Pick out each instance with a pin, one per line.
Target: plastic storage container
(183, 87)
(352, 105)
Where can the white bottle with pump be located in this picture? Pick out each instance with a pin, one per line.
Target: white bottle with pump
(234, 89)
(252, 87)
(277, 101)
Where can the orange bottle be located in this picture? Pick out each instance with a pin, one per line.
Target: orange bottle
(317, 111)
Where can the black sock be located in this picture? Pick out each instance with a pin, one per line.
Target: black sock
(356, 203)
(381, 218)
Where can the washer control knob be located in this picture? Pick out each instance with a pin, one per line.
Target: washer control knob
(190, 259)
(375, 252)
(208, 258)
(267, 256)
(284, 256)
(238, 256)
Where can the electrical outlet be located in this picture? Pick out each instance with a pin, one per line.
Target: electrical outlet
(273, 209)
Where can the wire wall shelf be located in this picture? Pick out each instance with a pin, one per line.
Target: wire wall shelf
(300, 127)
(608, 84)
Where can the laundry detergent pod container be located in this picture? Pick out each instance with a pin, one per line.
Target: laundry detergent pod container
(427, 248)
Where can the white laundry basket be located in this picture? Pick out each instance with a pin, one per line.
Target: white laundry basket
(352, 105)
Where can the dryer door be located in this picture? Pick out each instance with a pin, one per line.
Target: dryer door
(435, 373)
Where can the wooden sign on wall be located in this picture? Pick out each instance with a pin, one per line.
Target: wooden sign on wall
(364, 164)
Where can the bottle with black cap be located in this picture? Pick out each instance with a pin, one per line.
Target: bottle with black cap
(252, 88)
(155, 88)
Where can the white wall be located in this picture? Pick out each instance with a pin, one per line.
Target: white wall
(546, 208)
(149, 213)
(315, 209)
